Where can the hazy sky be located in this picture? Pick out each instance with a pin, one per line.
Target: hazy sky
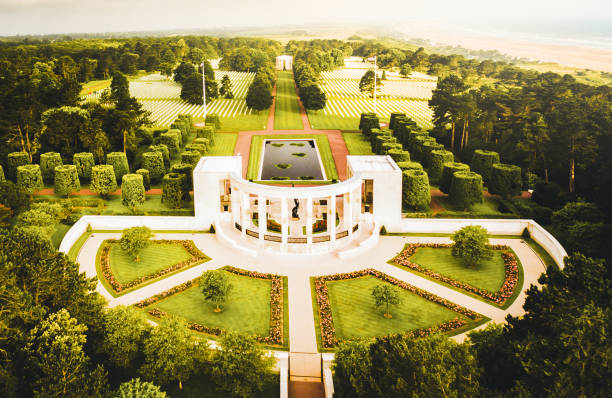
(63, 16)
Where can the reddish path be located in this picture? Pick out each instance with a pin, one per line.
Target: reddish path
(336, 142)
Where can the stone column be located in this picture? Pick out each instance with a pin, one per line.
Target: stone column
(331, 221)
(348, 213)
(236, 208)
(309, 223)
(244, 212)
(284, 221)
(261, 217)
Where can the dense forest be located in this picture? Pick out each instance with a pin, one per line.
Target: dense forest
(57, 339)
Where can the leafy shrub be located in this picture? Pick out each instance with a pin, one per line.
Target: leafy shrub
(16, 159)
(172, 195)
(29, 178)
(48, 162)
(103, 179)
(203, 141)
(190, 157)
(212, 119)
(388, 146)
(393, 119)
(196, 147)
(399, 155)
(466, 189)
(505, 180)
(437, 159)
(417, 150)
(84, 161)
(448, 169)
(187, 171)
(546, 194)
(409, 166)
(146, 178)
(132, 190)
(163, 149)
(207, 132)
(415, 189)
(471, 244)
(66, 180)
(154, 163)
(380, 140)
(119, 162)
(482, 163)
(171, 139)
(412, 141)
(426, 149)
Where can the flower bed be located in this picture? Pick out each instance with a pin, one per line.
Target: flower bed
(506, 291)
(196, 257)
(274, 337)
(328, 332)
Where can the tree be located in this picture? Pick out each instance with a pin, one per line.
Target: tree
(172, 353)
(259, 95)
(191, 91)
(313, 97)
(366, 84)
(445, 102)
(241, 367)
(385, 295)
(471, 245)
(125, 330)
(134, 239)
(62, 128)
(216, 287)
(183, 71)
(135, 388)
(226, 87)
(406, 70)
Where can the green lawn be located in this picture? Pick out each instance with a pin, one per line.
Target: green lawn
(357, 144)
(254, 121)
(322, 143)
(153, 258)
(73, 253)
(356, 316)
(224, 145)
(58, 234)
(488, 206)
(247, 311)
(287, 109)
(489, 274)
(320, 121)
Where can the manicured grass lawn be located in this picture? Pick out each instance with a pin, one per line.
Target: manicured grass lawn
(58, 234)
(488, 206)
(247, 311)
(327, 159)
(320, 121)
(357, 144)
(287, 109)
(356, 316)
(153, 258)
(73, 253)
(224, 144)
(489, 274)
(151, 206)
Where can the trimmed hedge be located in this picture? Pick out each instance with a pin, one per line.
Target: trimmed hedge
(2, 177)
(48, 162)
(84, 161)
(374, 133)
(163, 149)
(399, 155)
(482, 162)
(409, 166)
(182, 127)
(368, 122)
(146, 178)
(171, 139)
(437, 159)
(187, 171)
(29, 178)
(190, 157)
(417, 150)
(207, 132)
(201, 149)
(203, 141)
(505, 180)
(466, 189)
(412, 141)
(379, 140)
(172, 195)
(67, 180)
(16, 159)
(120, 164)
(154, 163)
(393, 119)
(212, 119)
(415, 189)
(388, 146)
(448, 169)
(132, 190)
(426, 149)
(103, 180)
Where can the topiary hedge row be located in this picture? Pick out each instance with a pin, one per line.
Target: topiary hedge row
(172, 195)
(466, 189)
(399, 155)
(66, 180)
(154, 163)
(448, 170)
(437, 159)
(48, 162)
(16, 159)
(482, 163)
(132, 190)
(409, 166)
(103, 180)
(84, 161)
(119, 162)
(505, 180)
(146, 178)
(29, 178)
(415, 192)
(163, 149)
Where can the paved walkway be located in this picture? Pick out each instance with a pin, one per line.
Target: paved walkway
(299, 269)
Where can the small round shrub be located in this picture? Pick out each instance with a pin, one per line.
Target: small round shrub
(505, 180)
(437, 158)
(132, 190)
(48, 162)
(120, 164)
(409, 166)
(190, 157)
(415, 189)
(172, 195)
(29, 178)
(399, 155)
(171, 139)
(163, 149)
(187, 171)
(448, 170)
(66, 180)
(154, 162)
(84, 161)
(103, 179)
(466, 189)
(14, 160)
(146, 178)
(482, 162)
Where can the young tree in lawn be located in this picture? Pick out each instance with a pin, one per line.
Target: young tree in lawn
(226, 87)
(385, 295)
(241, 367)
(136, 388)
(471, 245)
(134, 239)
(216, 287)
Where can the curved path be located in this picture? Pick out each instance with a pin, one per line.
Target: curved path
(299, 269)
